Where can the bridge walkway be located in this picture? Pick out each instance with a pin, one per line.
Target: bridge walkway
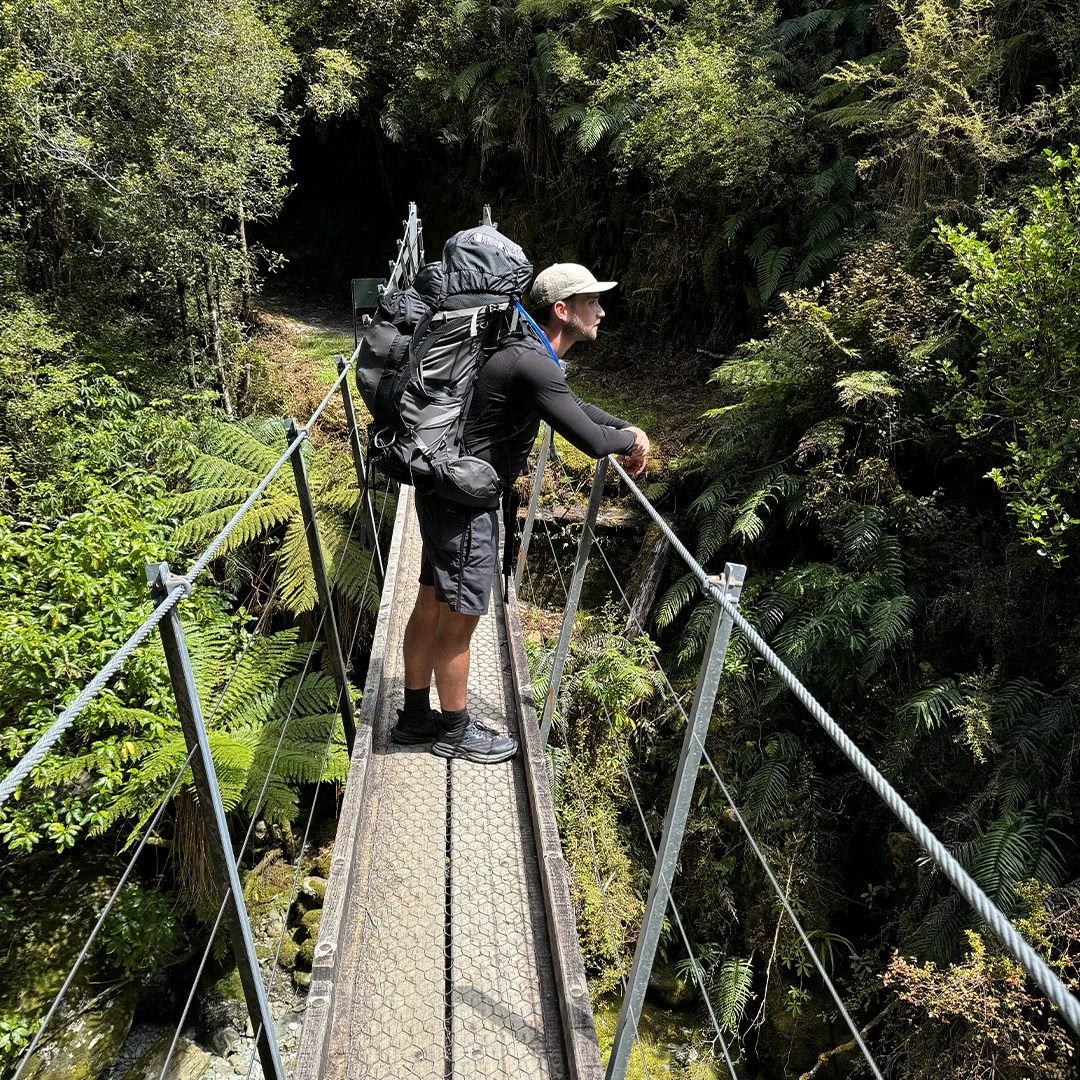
(435, 955)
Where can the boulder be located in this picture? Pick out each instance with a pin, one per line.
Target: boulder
(301, 979)
(312, 891)
(306, 953)
(320, 865)
(310, 922)
(221, 1001)
(673, 989)
(189, 1061)
(222, 1040)
(78, 1045)
(287, 956)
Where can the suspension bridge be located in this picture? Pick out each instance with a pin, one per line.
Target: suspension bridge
(447, 945)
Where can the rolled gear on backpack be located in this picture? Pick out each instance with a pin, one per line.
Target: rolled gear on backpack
(420, 357)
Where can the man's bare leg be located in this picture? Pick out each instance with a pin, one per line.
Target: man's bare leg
(419, 643)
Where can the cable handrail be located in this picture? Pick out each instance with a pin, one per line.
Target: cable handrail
(183, 586)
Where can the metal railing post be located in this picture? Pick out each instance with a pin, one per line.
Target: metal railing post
(322, 584)
(371, 529)
(667, 855)
(534, 502)
(212, 812)
(570, 613)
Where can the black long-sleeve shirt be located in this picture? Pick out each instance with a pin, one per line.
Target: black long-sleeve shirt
(520, 386)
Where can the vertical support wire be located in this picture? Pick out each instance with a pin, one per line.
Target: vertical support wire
(84, 952)
(570, 612)
(322, 584)
(592, 847)
(781, 895)
(534, 502)
(195, 985)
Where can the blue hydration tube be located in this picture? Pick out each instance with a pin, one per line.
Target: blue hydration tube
(539, 333)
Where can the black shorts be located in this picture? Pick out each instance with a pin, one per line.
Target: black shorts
(461, 549)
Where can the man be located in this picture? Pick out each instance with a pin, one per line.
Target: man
(520, 385)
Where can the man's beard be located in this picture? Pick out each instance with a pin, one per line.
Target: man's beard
(574, 321)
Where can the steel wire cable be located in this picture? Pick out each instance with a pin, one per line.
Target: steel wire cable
(37, 752)
(101, 918)
(757, 851)
(269, 774)
(195, 983)
(964, 883)
(596, 868)
(670, 898)
(299, 686)
(266, 782)
(27, 763)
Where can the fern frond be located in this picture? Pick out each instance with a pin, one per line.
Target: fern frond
(733, 991)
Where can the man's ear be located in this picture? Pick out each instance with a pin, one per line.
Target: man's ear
(561, 310)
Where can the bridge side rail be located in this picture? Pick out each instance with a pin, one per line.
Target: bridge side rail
(168, 591)
(724, 593)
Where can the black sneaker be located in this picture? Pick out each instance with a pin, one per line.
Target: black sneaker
(409, 733)
(477, 743)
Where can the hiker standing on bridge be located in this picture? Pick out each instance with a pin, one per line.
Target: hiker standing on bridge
(520, 385)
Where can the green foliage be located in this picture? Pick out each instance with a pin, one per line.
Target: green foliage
(221, 479)
(1022, 293)
(252, 700)
(733, 991)
(930, 106)
(979, 1014)
(139, 932)
(112, 132)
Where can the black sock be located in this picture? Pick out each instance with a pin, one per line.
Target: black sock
(418, 704)
(454, 723)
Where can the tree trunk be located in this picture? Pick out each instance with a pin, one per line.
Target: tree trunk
(651, 566)
(185, 332)
(245, 295)
(215, 337)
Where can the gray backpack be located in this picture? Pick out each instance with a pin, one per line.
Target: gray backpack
(420, 357)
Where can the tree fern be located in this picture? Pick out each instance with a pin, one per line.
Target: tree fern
(221, 478)
(244, 729)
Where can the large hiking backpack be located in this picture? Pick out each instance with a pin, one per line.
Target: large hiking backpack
(420, 357)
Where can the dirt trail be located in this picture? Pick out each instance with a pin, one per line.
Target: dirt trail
(308, 311)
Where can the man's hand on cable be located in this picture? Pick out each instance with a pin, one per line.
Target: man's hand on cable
(634, 462)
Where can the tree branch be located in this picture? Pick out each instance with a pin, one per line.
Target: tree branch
(844, 1047)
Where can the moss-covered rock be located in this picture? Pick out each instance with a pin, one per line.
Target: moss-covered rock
(310, 922)
(666, 1037)
(301, 979)
(54, 917)
(79, 1045)
(188, 1062)
(306, 953)
(312, 891)
(789, 1045)
(221, 999)
(320, 865)
(673, 989)
(287, 956)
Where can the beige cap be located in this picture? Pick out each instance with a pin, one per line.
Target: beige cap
(562, 280)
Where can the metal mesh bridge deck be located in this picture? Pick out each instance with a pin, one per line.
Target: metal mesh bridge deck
(447, 946)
